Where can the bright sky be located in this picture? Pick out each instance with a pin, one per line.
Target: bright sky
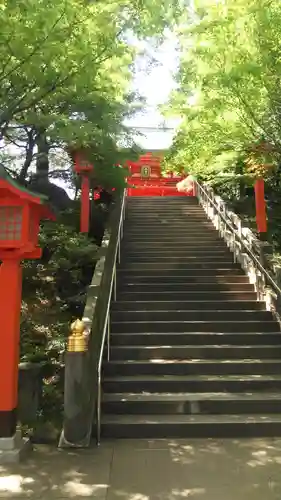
(155, 85)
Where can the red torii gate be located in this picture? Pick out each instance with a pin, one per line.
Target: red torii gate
(146, 178)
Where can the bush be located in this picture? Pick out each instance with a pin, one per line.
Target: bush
(54, 290)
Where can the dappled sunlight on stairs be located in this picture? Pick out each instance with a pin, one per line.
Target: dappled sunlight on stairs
(192, 353)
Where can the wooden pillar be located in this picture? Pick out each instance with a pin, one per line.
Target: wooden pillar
(260, 208)
(10, 308)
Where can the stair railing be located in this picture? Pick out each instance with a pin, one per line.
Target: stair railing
(86, 344)
(105, 337)
(248, 250)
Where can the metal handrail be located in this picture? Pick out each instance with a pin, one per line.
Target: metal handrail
(106, 327)
(199, 188)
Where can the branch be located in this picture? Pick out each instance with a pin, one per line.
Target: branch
(37, 47)
(252, 115)
(13, 141)
(18, 107)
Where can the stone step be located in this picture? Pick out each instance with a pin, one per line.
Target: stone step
(184, 287)
(166, 237)
(162, 228)
(159, 200)
(181, 221)
(145, 210)
(190, 426)
(185, 367)
(184, 351)
(195, 339)
(186, 203)
(206, 265)
(190, 274)
(165, 234)
(215, 403)
(178, 277)
(130, 295)
(176, 252)
(198, 316)
(149, 210)
(180, 212)
(162, 220)
(192, 384)
(176, 216)
(193, 305)
(182, 259)
(187, 244)
(194, 326)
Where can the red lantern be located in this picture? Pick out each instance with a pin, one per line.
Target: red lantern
(20, 215)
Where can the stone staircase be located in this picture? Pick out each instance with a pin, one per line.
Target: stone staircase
(193, 353)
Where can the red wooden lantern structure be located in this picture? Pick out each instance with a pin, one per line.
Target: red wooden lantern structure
(83, 168)
(20, 214)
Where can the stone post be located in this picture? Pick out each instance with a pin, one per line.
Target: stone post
(76, 404)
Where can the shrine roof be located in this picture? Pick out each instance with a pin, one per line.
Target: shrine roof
(18, 189)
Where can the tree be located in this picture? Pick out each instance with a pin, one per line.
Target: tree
(65, 78)
(229, 84)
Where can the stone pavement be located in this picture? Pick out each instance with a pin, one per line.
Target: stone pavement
(150, 470)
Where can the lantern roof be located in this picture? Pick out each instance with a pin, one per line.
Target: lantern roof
(73, 150)
(8, 183)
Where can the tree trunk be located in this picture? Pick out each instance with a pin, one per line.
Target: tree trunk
(42, 160)
(28, 155)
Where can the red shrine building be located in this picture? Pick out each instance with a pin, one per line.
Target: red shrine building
(146, 178)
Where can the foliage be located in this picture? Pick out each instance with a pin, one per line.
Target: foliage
(228, 95)
(228, 99)
(65, 77)
(53, 288)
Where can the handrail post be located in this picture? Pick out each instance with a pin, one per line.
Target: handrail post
(119, 252)
(115, 284)
(239, 229)
(75, 430)
(108, 337)
(277, 272)
(98, 409)
(234, 249)
(207, 207)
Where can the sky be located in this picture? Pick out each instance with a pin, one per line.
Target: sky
(155, 85)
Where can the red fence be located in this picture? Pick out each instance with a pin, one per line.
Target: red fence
(157, 187)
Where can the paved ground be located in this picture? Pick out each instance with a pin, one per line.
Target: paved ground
(150, 470)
